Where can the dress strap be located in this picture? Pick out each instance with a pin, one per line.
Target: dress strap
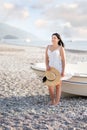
(60, 48)
(47, 47)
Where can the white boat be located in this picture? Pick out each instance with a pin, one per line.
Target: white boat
(75, 80)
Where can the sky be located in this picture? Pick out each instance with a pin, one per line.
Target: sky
(45, 17)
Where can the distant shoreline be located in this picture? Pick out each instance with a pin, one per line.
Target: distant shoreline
(38, 46)
(76, 51)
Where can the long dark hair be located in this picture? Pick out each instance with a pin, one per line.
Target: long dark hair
(60, 40)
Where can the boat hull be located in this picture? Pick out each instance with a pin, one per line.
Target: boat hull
(77, 88)
(76, 85)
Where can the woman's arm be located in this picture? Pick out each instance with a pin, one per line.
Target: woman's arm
(63, 58)
(47, 59)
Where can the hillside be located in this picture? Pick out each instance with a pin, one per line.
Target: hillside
(7, 31)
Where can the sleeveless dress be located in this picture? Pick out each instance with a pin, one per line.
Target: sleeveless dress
(55, 59)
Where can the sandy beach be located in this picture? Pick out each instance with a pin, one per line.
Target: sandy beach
(24, 100)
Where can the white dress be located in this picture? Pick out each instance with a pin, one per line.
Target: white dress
(55, 59)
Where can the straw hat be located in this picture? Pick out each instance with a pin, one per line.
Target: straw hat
(52, 77)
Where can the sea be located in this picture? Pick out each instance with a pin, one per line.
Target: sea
(71, 45)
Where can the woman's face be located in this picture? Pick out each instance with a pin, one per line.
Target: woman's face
(55, 40)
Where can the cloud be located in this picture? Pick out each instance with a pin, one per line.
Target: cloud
(10, 11)
(25, 13)
(8, 6)
(69, 19)
(39, 4)
(63, 12)
(76, 13)
(40, 23)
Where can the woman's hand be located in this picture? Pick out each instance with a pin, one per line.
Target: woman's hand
(48, 68)
(62, 74)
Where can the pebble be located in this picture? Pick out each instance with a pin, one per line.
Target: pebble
(23, 101)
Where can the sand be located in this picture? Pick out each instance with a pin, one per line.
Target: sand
(24, 100)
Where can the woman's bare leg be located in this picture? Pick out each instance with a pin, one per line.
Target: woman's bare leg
(58, 93)
(52, 96)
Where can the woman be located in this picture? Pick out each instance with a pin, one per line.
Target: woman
(55, 57)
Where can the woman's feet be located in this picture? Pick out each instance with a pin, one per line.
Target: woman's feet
(54, 102)
(51, 102)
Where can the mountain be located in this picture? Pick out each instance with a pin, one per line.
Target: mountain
(10, 37)
(7, 31)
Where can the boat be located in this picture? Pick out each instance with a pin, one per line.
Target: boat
(75, 80)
